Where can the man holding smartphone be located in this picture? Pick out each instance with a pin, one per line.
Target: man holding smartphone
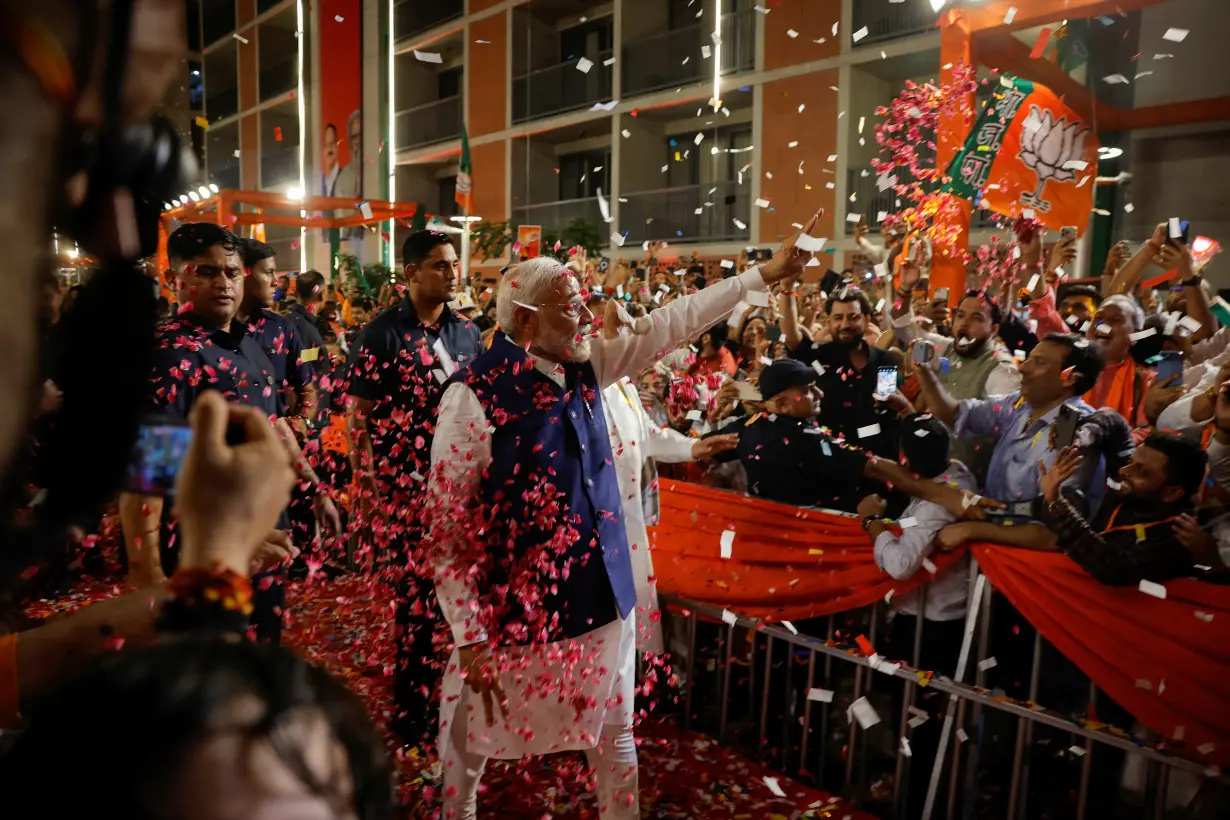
(974, 365)
(1056, 374)
(849, 369)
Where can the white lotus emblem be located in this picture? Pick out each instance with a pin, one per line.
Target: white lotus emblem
(1046, 147)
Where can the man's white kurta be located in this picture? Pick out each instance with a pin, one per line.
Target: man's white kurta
(561, 693)
(634, 438)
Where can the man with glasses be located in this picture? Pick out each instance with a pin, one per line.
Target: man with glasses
(531, 554)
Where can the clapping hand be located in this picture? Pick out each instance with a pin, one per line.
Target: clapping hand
(1066, 464)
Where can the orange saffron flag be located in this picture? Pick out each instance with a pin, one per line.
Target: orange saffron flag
(1029, 152)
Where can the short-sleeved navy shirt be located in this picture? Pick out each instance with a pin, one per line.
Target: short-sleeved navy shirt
(279, 338)
(309, 335)
(396, 365)
(849, 404)
(192, 358)
(793, 461)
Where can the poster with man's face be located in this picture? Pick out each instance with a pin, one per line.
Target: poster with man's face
(341, 95)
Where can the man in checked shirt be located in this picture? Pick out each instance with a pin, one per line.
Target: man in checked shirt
(1139, 531)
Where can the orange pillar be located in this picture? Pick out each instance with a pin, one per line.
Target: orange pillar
(948, 264)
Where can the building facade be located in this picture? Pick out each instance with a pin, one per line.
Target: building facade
(712, 125)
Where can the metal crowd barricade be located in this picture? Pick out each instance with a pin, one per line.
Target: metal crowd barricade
(968, 707)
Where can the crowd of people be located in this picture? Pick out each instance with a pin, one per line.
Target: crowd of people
(495, 451)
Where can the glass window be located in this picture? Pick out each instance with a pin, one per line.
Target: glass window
(683, 161)
(196, 86)
(448, 83)
(582, 174)
(217, 19)
(221, 82)
(279, 127)
(194, 25)
(279, 54)
(590, 39)
(447, 188)
(285, 242)
(222, 155)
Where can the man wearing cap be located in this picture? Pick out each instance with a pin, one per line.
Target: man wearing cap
(396, 371)
(790, 459)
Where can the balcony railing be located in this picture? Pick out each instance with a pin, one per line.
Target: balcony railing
(657, 63)
(561, 88)
(430, 123)
(870, 201)
(555, 216)
(671, 213)
(886, 20)
(413, 16)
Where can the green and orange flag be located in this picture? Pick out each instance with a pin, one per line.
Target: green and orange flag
(1029, 152)
(465, 185)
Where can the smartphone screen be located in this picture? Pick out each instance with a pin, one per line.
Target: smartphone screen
(1065, 426)
(922, 351)
(886, 382)
(1185, 229)
(1170, 364)
(156, 459)
(1067, 231)
(941, 294)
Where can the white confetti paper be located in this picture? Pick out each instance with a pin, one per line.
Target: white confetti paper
(820, 695)
(428, 56)
(729, 618)
(869, 430)
(727, 543)
(1175, 35)
(1150, 588)
(584, 65)
(774, 786)
(864, 713)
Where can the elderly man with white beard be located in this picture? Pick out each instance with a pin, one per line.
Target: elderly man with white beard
(532, 556)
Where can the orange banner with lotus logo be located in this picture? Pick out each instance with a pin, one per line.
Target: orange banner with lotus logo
(1029, 152)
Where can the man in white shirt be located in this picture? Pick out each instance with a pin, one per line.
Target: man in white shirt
(637, 443)
(925, 443)
(533, 567)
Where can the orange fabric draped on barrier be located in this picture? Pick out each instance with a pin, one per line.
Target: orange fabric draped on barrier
(1167, 661)
(787, 563)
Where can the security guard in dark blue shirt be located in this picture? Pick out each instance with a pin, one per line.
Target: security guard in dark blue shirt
(277, 335)
(202, 348)
(396, 373)
(787, 456)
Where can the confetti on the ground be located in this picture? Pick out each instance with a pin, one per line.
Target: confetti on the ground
(774, 786)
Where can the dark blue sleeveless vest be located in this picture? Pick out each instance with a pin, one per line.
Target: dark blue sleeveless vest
(556, 541)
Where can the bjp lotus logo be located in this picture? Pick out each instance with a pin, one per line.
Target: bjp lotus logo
(1047, 147)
